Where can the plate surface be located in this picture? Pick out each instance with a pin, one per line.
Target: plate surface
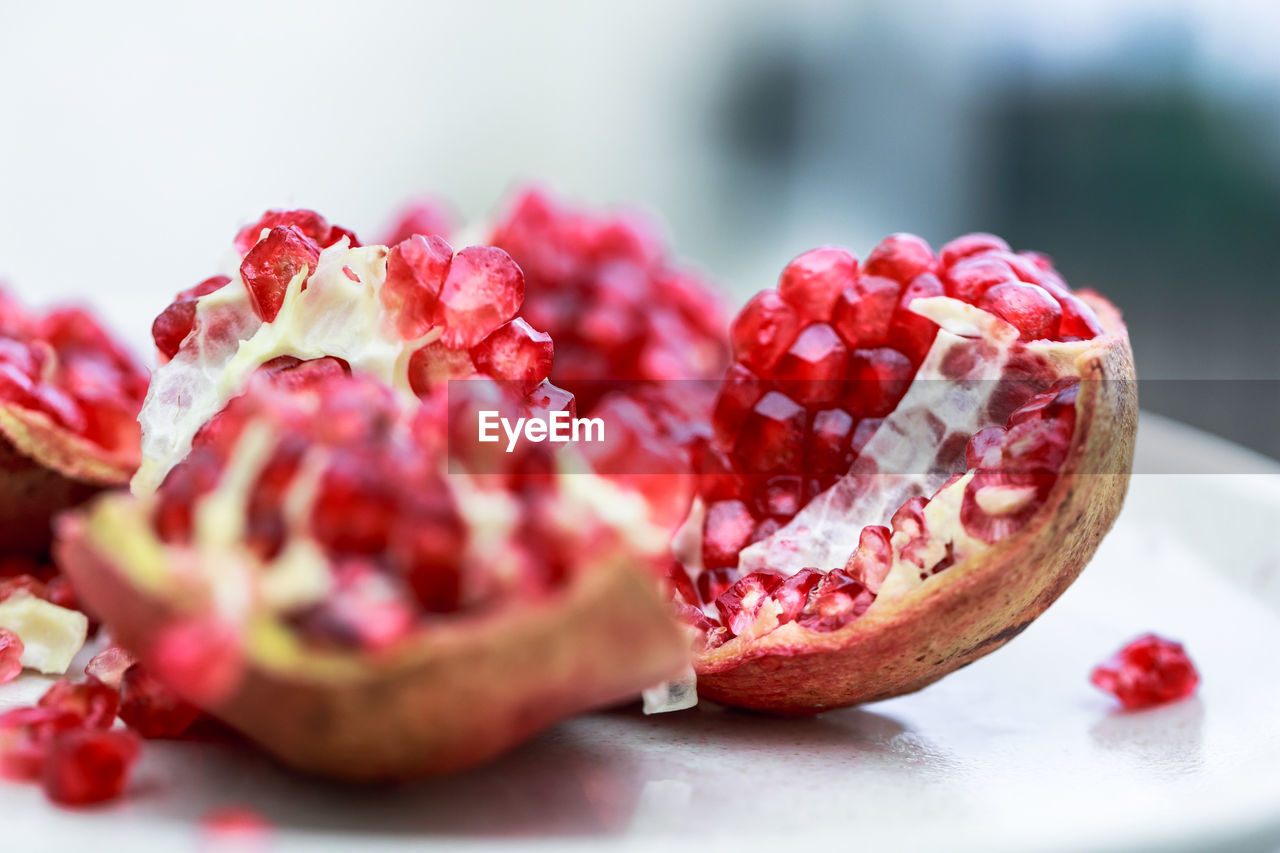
(1016, 752)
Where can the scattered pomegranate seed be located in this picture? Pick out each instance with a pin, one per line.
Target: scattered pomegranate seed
(109, 665)
(151, 709)
(93, 702)
(86, 766)
(1148, 671)
(25, 734)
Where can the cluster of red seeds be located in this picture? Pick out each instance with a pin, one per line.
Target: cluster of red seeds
(1149, 671)
(605, 289)
(381, 510)
(65, 366)
(818, 364)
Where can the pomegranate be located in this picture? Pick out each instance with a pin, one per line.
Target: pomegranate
(69, 401)
(606, 290)
(321, 553)
(1148, 671)
(912, 457)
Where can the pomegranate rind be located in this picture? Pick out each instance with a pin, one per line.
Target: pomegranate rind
(904, 644)
(452, 697)
(45, 469)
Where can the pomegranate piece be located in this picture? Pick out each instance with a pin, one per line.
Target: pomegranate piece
(86, 766)
(93, 702)
(416, 272)
(308, 222)
(813, 281)
(483, 290)
(846, 504)
(109, 667)
(11, 649)
(151, 709)
(1031, 309)
(272, 263)
(25, 736)
(1148, 671)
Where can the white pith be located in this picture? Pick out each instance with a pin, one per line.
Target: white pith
(51, 635)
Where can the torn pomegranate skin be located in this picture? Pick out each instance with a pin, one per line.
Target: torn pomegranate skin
(1147, 672)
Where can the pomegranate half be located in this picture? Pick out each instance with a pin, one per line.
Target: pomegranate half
(912, 458)
(69, 400)
(315, 552)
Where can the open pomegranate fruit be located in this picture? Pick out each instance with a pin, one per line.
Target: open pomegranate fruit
(317, 550)
(912, 457)
(69, 401)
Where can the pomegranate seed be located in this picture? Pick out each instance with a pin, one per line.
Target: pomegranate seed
(725, 531)
(764, 330)
(416, 272)
(85, 766)
(813, 281)
(354, 508)
(11, 649)
(873, 558)
(692, 616)
(200, 658)
(546, 398)
(308, 222)
(984, 448)
(864, 313)
(780, 496)
(25, 734)
(765, 529)
(835, 601)
(998, 503)
(151, 709)
(877, 380)
(740, 605)
(969, 279)
(713, 582)
(739, 393)
(429, 546)
(1036, 445)
(772, 438)
(1148, 671)
(900, 257)
(866, 428)
(911, 333)
(515, 352)
(970, 244)
(175, 322)
(1028, 307)
(483, 290)
(271, 264)
(1078, 319)
(109, 666)
(828, 450)
(23, 585)
(93, 702)
(813, 367)
(793, 594)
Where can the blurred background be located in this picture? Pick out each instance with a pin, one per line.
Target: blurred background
(1137, 143)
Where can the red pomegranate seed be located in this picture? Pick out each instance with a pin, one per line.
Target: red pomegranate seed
(23, 585)
(1078, 319)
(970, 278)
(740, 605)
(909, 332)
(25, 734)
(877, 380)
(416, 272)
(829, 451)
(175, 322)
(725, 531)
(354, 508)
(835, 601)
(515, 352)
(772, 438)
(1148, 671)
(780, 496)
(864, 313)
(900, 257)
(764, 330)
(692, 616)
(873, 558)
(984, 448)
(1028, 307)
(310, 223)
(483, 290)
(200, 658)
(11, 649)
(93, 702)
(812, 369)
(712, 582)
(998, 503)
(813, 281)
(86, 766)
(739, 393)
(793, 593)
(970, 244)
(109, 666)
(151, 709)
(271, 264)
(239, 825)
(546, 398)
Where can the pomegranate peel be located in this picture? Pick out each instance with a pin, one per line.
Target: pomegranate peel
(451, 698)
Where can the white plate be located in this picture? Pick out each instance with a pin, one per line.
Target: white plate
(1016, 752)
